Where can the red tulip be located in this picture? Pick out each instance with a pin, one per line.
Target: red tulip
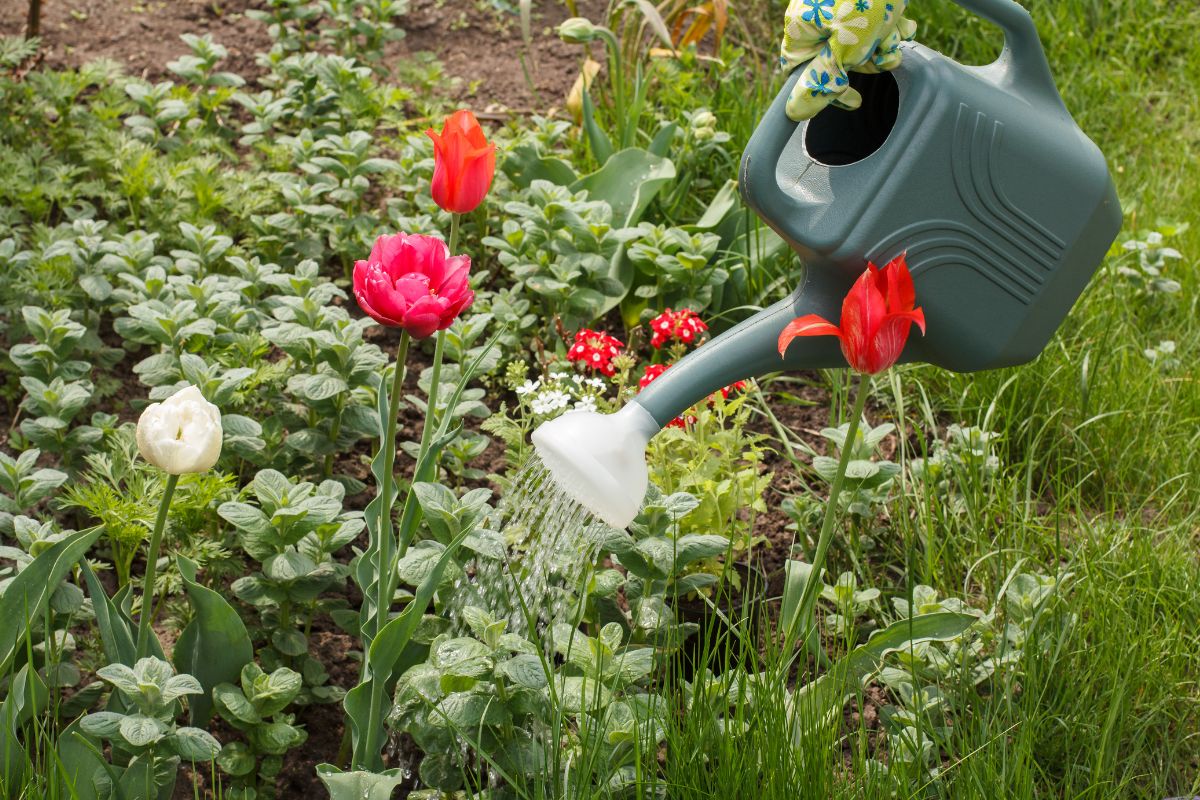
(412, 282)
(464, 163)
(876, 316)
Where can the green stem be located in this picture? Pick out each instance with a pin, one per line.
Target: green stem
(455, 223)
(431, 425)
(384, 598)
(618, 77)
(386, 579)
(809, 598)
(160, 524)
(335, 430)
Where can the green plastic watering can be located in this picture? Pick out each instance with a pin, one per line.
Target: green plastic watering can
(1004, 207)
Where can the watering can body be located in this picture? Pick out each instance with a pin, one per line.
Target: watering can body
(1004, 207)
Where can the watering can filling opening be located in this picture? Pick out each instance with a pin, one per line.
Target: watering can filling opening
(839, 137)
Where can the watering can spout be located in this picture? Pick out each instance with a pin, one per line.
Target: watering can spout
(599, 459)
(749, 350)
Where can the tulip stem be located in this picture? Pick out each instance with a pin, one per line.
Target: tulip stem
(160, 524)
(383, 579)
(809, 597)
(455, 222)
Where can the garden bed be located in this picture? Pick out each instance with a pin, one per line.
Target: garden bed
(1008, 604)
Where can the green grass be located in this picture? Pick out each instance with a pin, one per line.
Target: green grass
(1100, 469)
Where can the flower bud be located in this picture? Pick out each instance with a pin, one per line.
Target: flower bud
(577, 30)
(704, 119)
(182, 434)
(704, 125)
(582, 84)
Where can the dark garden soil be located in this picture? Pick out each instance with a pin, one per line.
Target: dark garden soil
(480, 48)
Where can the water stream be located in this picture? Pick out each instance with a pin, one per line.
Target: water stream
(552, 544)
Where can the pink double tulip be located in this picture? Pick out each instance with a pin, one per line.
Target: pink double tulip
(412, 282)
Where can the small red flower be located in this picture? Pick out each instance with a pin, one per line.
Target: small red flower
(877, 315)
(464, 163)
(682, 325)
(738, 386)
(651, 373)
(412, 282)
(595, 351)
(683, 422)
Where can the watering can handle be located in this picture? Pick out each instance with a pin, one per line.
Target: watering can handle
(1024, 58)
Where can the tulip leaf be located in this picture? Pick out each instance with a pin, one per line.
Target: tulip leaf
(661, 143)
(390, 654)
(27, 594)
(78, 756)
(598, 140)
(525, 164)
(116, 635)
(359, 784)
(27, 696)
(214, 646)
(629, 182)
(797, 574)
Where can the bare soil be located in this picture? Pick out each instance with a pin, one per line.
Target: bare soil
(480, 48)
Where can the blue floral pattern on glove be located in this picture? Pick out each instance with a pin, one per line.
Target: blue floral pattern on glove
(828, 39)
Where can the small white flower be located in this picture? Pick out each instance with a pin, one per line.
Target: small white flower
(586, 404)
(550, 401)
(182, 434)
(528, 387)
(596, 383)
(559, 376)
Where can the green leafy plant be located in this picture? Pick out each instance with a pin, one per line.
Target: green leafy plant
(499, 695)
(1149, 258)
(659, 564)
(145, 734)
(850, 603)
(53, 407)
(717, 458)
(559, 244)
(960, 468)
(255, 707)
(675, 268)
(56, 339)
(292, 531)
(930, 679)
(24, 485)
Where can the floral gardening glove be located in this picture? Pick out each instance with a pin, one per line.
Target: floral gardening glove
(829, 38)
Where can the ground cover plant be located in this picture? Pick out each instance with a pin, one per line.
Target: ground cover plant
(280, 314)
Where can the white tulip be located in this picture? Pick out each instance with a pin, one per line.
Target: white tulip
(182, 434)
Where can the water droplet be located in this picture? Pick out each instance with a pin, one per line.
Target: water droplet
(552, 543)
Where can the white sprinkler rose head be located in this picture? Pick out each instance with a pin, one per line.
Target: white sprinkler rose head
(182, 434)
